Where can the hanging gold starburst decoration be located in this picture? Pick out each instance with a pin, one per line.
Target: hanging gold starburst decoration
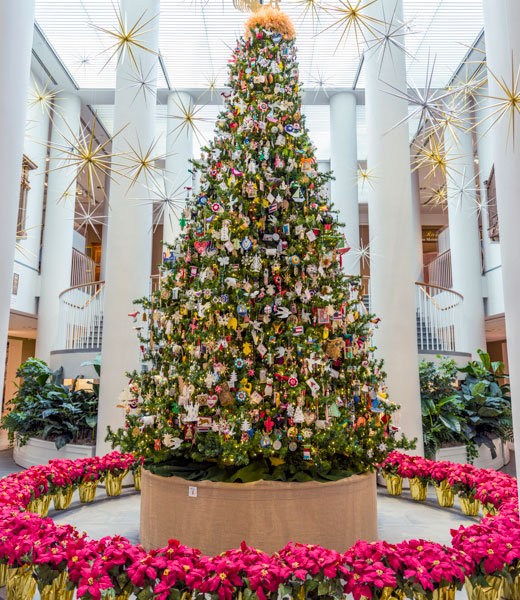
(506, 105)
(127, 39)
(309, 7)
(88, 156)
(438, 197)
(22, 235)
(42, 98)
(353, 19)
(365, 177)
(188, 120)
(142, 163)
(437, 159)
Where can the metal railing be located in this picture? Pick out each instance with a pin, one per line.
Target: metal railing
(81, 317)
(439, 318)
(83, 269)
(438, 271)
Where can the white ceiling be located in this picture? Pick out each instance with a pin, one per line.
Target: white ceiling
(196, 37)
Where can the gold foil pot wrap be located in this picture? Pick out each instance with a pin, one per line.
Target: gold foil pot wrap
(493, 591)
(489, 510)
(63, 499)
(469, 507)
(389, 593)
(444, 593)
(114, 483)
(3, 574)
(137, 480)
(417, 489)
(87, 491)
(394, 484)
(445, 495)
(20, 585)
(511, 591)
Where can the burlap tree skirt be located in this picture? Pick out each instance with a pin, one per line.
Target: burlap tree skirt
(266, 514)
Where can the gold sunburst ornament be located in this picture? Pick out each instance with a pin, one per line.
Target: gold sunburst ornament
(436, 159)
(352, 17)
(127, 39)
(88, 156)
(142, 163)
(365, 177)
(188, 120)
(42, 98)
(506, 105)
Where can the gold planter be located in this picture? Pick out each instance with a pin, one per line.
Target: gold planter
(489, 510)
(21, 585)
(34, 506)
(444, 593)
(511, 591)
(49, 592)
(3, 575)
(65, 595)
(62, 500)
(87, 491)
(469, 507)
(114, 483)
(137, 480)
(445, 495)
(418, 490)
(45, 504)
(389, 593)
(394, 484)
(492, 592)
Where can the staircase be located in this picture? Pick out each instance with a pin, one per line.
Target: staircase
(425, 336)
(95, 334)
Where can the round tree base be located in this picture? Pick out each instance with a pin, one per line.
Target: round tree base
(215, 517)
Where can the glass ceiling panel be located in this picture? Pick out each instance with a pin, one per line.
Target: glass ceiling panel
(196, 37)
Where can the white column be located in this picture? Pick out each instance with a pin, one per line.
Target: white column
(416, 218)
(502, 27)
(58, 230)
(392, 231)
(466, 262)
(35, 148)
(16, 33)
(343, 162)
(179, 147)
(129, 236)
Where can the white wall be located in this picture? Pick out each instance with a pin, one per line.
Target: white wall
(492, 258)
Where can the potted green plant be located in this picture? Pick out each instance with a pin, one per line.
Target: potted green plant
(47, 419)
(441, 407)
(487, 410)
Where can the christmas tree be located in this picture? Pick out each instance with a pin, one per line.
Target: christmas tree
(258, 350)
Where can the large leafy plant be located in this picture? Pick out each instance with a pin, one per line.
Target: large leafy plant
(45, 408)
(441, 405)
(487, 402)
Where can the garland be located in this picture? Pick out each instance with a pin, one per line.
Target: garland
(60, 561)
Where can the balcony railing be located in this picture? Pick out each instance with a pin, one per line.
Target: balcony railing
(83, 269)
(81, 317)
(439, 318)
(438, 271)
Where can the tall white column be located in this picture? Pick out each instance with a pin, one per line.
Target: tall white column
(179, 147)
(416, 218)
(16, 33)
(35, 148)
(129, 236)
(343, 162)
(502, 28)
(392, 231)
(466, 261)
(58, 230)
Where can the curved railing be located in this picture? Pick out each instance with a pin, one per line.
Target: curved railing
(439, 318)
(81, 317)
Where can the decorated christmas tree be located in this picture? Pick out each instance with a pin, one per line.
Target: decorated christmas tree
(258, 352)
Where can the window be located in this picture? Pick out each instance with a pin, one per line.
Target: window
(27, 166)
(492, 211)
